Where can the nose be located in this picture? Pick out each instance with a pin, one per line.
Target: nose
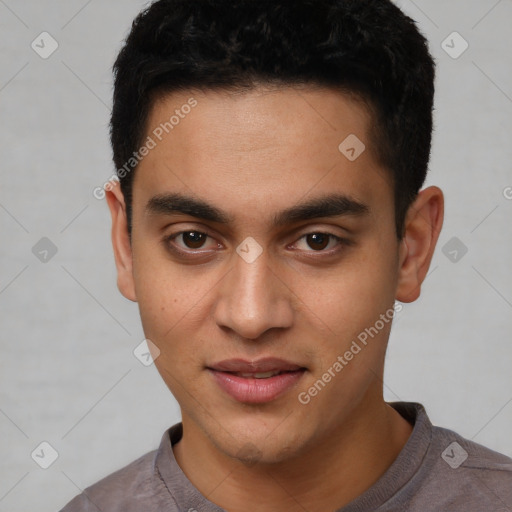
(252, 299)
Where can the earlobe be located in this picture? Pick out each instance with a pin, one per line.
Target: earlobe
(121, 242)
(422, 227)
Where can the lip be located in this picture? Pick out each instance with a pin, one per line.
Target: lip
(267, 364)
(251, 390)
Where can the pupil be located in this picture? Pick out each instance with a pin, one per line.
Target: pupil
(318, 241)
(193, 239)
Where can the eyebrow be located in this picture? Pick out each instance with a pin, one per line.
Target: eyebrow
(331, 205)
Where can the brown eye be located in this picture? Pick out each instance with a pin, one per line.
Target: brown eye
(318, 241)
(191, 244)
(321, 243)
(194, 239)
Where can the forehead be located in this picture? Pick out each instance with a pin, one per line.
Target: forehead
(303, 116)
(260, 150)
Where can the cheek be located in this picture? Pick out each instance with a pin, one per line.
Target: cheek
(162, 295)
(158, 304)
(169, 312)
(158, 297)
(174, 302)
(362, 286)
(354, 298)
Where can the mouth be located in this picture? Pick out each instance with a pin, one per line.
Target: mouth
(254, 382)
(257, 375)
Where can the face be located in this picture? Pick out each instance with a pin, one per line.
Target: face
(260, 254)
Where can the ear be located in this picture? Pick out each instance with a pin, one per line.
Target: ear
(423, 224)
(120, 240)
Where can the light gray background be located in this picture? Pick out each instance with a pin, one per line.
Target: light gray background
(68, 374)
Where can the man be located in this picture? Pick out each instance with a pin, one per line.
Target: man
(269, 214)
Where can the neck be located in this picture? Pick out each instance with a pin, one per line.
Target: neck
(328, 476)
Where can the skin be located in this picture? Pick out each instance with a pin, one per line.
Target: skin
(253, 155)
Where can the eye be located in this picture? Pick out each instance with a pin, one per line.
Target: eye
(193, 239)
(188, 240)
(320, 241)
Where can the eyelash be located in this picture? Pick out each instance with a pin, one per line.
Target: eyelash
(169, 243)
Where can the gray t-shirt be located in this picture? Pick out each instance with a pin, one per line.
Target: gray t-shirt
(436, 471)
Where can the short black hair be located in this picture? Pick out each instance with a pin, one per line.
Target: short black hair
(368, 48)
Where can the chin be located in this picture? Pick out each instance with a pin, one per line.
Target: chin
(250, 454)
(269, 442)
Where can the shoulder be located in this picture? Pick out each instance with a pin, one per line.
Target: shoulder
(438, 469)
(461, 452)
(468, 473)
(128, 489)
